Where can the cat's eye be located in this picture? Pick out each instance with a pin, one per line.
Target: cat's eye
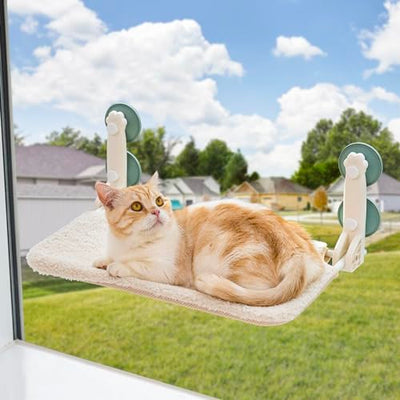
(136, 206)
(159, 201)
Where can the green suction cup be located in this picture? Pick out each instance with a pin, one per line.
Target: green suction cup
(134, 126)
(373, 220)
(134, 171)
(375, 165)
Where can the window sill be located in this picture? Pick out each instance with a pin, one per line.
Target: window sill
(29, 372)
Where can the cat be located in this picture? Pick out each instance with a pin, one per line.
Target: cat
(228, 249)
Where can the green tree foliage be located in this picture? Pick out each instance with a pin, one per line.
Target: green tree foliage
(19, 139)
(188, 159)
(214, 158)
(96, 146)
(235, 171)
(154, 152)
(253, 176)
(321, 149)
(70, 137)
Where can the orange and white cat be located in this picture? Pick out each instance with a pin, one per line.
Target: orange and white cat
(228, 249)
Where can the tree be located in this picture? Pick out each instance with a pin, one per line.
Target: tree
(321, 149)
(320, 200)
(153, 151)
(214, 158)
(188, 159)
(19, 139)
(96, 146)
(235, 171)
(68, 137)
(254, 176)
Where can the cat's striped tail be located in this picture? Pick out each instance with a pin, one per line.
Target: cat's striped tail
(294, 280)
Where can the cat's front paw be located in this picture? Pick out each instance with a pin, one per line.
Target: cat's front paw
(116, 122)
(119, 270)
(102, 262)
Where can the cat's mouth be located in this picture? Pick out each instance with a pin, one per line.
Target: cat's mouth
(156, 223)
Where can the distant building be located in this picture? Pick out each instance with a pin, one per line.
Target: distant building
(189, 190)
(385, 193)
(178, 192)
(54, 185)
(204, 188)
(277, 193)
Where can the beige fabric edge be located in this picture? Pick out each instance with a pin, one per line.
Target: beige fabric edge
(69, 254)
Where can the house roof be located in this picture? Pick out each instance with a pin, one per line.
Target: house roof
(44, 161)
(278, 184)
(56, 191)
(385, 185)
(168, 188)
(202, 185)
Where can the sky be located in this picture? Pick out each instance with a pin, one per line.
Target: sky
(257, 74)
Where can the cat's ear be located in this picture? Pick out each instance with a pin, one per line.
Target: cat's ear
(106, 194)
(153, 181)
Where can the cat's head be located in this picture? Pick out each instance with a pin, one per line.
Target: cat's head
(135, 209)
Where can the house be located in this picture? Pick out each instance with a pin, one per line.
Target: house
(188, 190)
(204, 188)
(178, 192)
(277, 193)
(385, 193)
(54, 185)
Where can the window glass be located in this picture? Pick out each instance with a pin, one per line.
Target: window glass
(250, 101)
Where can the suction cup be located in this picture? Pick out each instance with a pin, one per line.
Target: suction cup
(375, 165)
(134, 126)
(134, 171)
(373, 220)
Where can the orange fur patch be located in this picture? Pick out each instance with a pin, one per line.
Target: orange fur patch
(230, 251)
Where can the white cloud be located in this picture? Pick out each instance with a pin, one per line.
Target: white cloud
(29, 25)
(394, 127)
(383, 44)
(282, 160)
(302, 108)
(162, 68)
(70, 21)
(359, 95)
(42, 52)
(246, 132)
(295, 46)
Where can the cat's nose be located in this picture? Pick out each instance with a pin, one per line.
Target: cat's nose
(155, 212)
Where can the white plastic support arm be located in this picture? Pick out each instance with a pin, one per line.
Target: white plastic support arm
(351, 243)
(116, 150)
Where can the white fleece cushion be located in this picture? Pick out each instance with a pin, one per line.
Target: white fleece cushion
(70, 252)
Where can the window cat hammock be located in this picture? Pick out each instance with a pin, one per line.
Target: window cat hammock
(70, 252)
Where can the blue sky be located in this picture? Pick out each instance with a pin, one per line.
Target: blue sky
(258, 74)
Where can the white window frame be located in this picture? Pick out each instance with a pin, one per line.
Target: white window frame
(8, 237)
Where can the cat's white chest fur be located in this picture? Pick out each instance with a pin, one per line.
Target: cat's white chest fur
(145, 256)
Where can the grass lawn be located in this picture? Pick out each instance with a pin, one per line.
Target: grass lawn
(293, 213)
(324, 233)
(35, 285)
(345, 346)
(389, 243)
